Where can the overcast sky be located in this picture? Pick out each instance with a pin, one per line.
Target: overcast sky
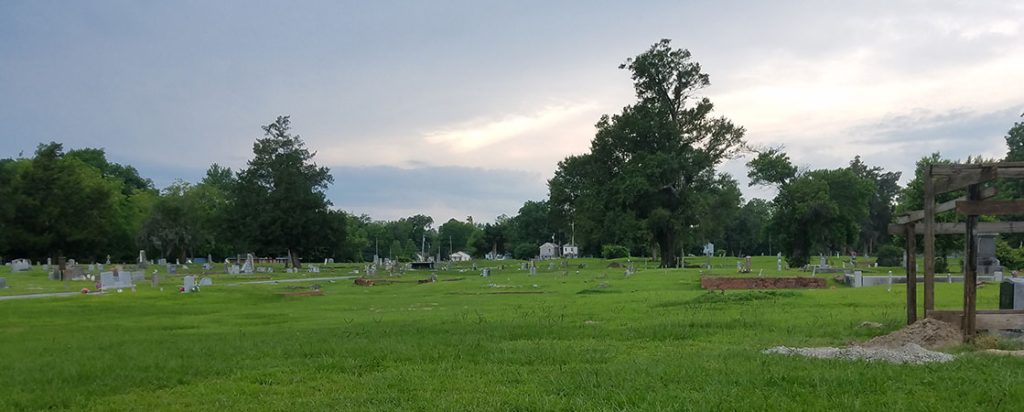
(464, 108)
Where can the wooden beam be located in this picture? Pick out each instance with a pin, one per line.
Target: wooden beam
(970, 266)
(962, 179)
(948, 169)
(990, 207)
(918, 215)
(959, 228)
(929, 239)
(911, 274)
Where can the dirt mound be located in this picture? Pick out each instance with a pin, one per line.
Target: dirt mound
(928, 333)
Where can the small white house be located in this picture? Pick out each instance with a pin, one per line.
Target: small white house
(548, 250)
(459, 256)
(570, 251)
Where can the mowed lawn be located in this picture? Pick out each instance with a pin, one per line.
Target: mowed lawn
(593, 340)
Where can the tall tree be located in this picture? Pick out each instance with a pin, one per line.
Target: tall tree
(280, 200)
(874, 228)
(657, 158)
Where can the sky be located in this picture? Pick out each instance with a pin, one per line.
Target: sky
(464, 108)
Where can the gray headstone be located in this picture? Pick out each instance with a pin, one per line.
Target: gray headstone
(1018, 294)
(205, 281)
(3, 283)
(189, 283)
(154, 280)
(108, 280)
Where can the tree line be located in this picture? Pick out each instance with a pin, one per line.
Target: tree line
(648, 186)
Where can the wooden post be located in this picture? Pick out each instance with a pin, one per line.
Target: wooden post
(929, 241)
(911, 274)
(970, 269)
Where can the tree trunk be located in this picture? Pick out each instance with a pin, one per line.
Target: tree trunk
(667, 244)
(295, 259)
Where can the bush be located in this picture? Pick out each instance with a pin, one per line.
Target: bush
(525, 251)
(614, 251)
(890, 255)
(1008, 256)
(941, 265)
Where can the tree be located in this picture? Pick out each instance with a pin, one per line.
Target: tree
(61, 205)
(820, 211)
(874, 228)
(280, 201)
(652, 163)
(770, 167)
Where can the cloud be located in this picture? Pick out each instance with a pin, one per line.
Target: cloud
(480, 134)
(386, 192)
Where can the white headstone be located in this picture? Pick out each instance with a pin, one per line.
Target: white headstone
(20, 265)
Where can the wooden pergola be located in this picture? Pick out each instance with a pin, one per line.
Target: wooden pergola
(939, 179)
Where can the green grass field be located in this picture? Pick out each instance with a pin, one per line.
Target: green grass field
(593, 340)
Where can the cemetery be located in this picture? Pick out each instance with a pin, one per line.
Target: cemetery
(679, 325)
(499, 232)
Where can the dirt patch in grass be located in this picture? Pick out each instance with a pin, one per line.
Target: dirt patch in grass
(596, 291)
(734, 297)
(708, 282)
(304, 293)
(928, 333)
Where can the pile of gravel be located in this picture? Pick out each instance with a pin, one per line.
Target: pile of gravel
(910, 354)
(928, 333)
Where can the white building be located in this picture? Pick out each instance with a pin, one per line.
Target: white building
(548, 250)
(459, 256)
(570, 251)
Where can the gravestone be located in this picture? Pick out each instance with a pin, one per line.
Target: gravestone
(3, 283)
(161, 261)
(99, 267)
(20, 265)
(108, 260)
(115, 280)
(234, 270)
(822, 262)
(92, 267)
(137, 276)
(248, 266)
(778, 262)
(1018, 294)
(172, 269)
(205, 281)
(74, 272)
(189, 284)
(987, 264)
(142, 259)
(486, 272)
(154, 280)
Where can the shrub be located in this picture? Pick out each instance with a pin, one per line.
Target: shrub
(614, 251)
(525, 251)
(890, 255)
